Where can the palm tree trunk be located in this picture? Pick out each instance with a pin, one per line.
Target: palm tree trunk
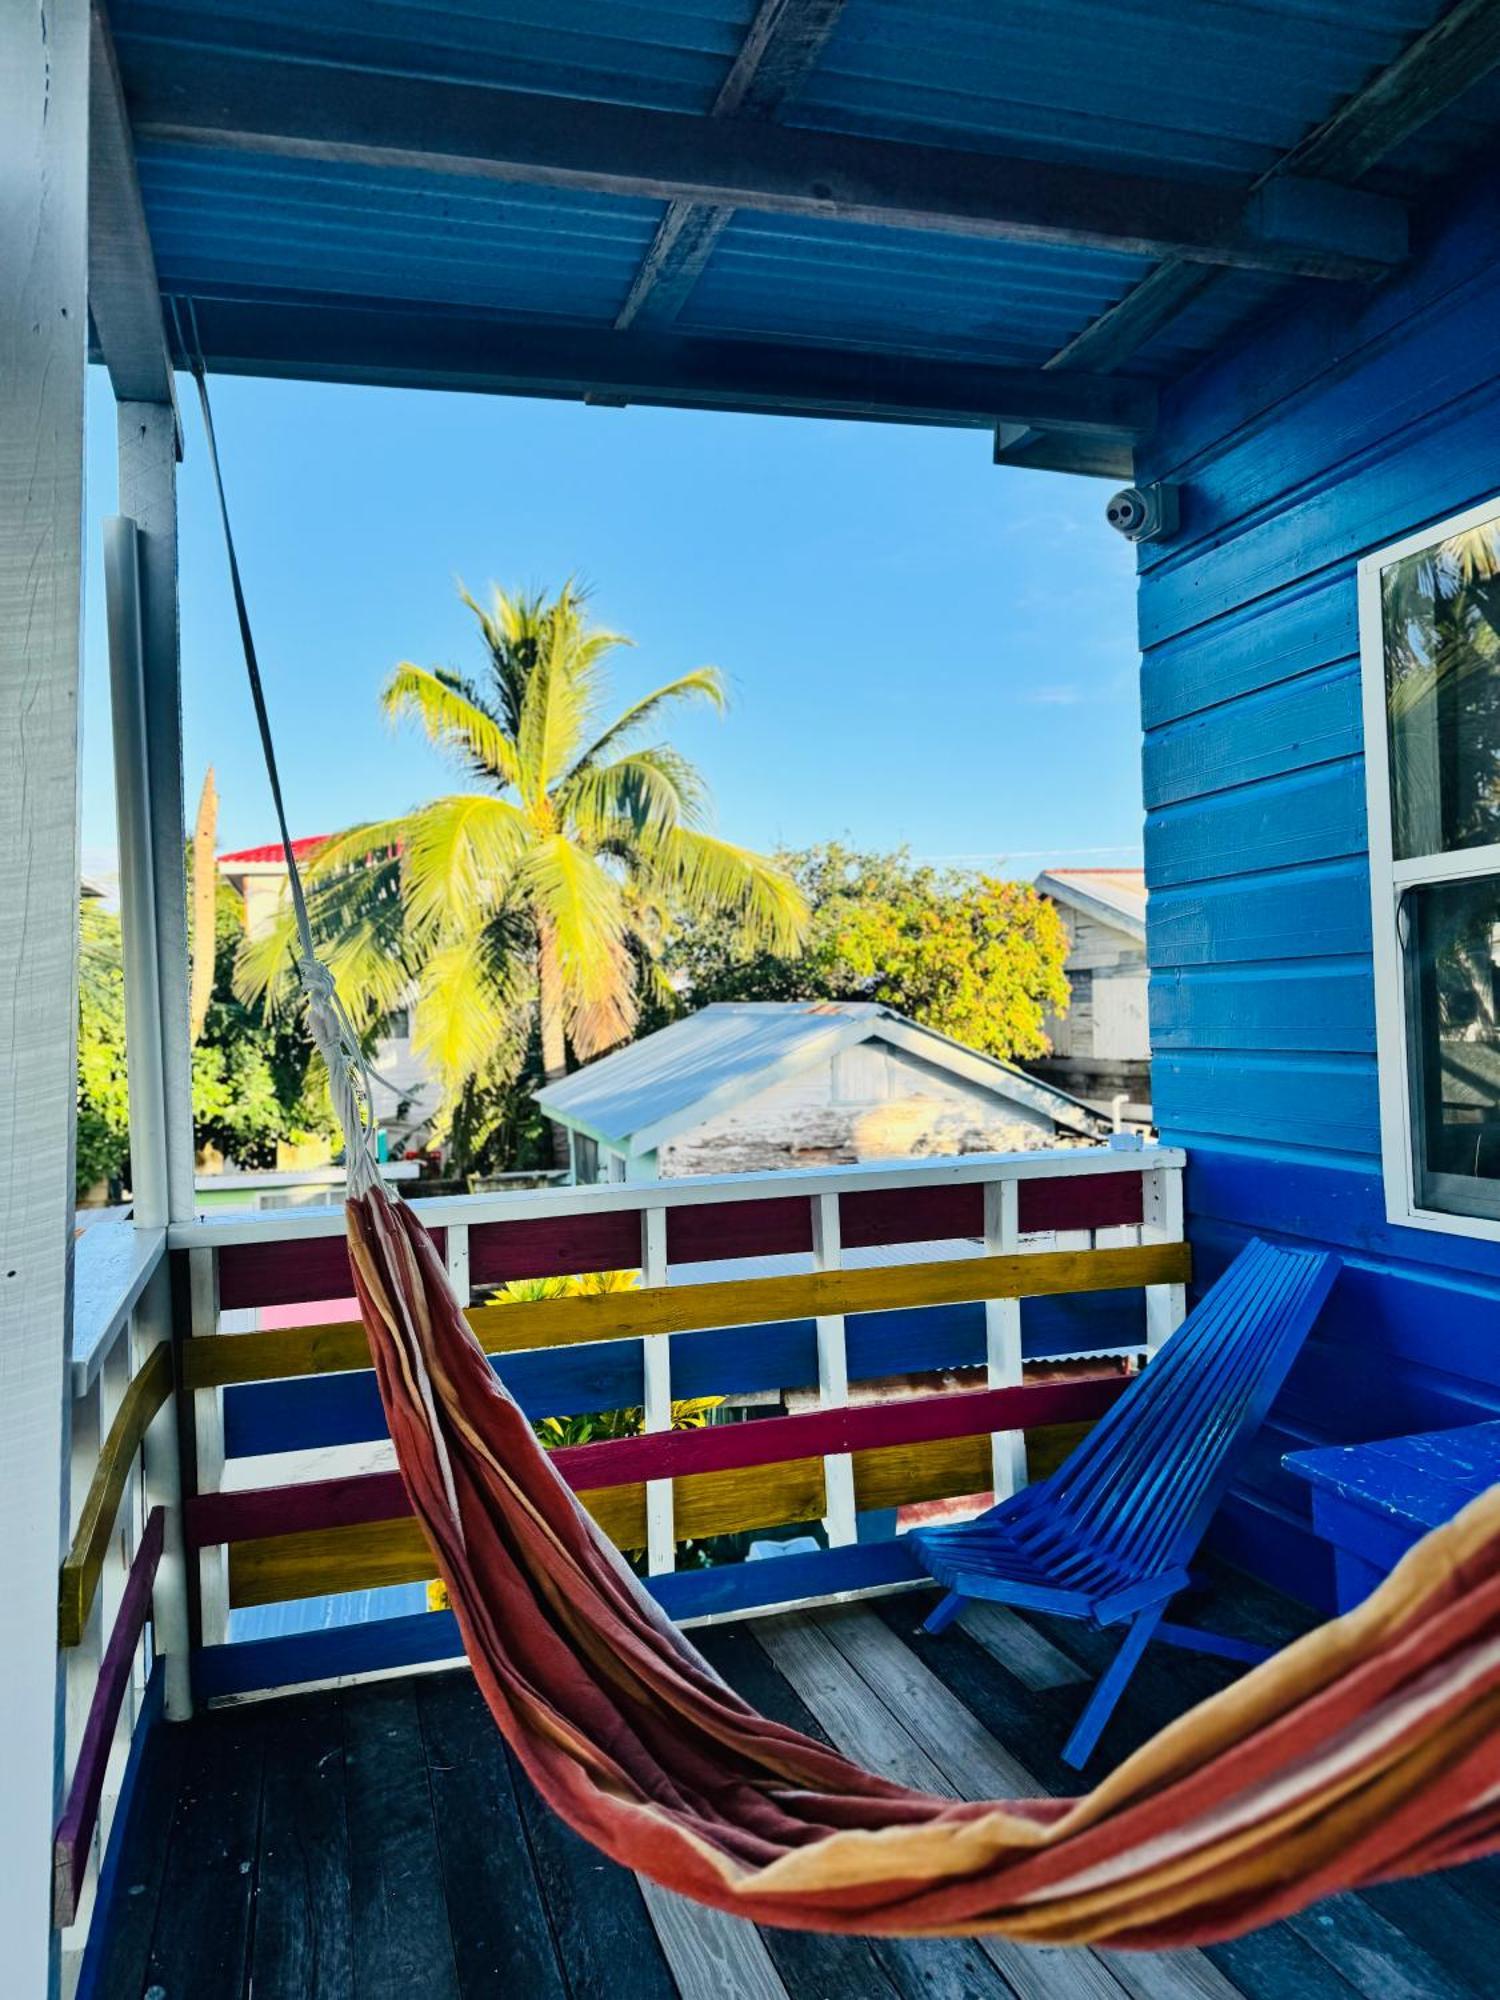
(554, 1039)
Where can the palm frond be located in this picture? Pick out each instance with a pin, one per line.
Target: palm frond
(701, 875)
(453, 720)
(702, 684)
(579, 906)
(458, 860)
(645, 790)
(469, 1005)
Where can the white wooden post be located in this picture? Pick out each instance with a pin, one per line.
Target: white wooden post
(656, 1396)
(208, 1442)
(161, 1466)
(456, 1257)
(839, 1521)
(43, 326)
(1002, 1333)
(1162, 1222)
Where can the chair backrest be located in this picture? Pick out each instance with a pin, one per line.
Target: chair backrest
(1144, 1484)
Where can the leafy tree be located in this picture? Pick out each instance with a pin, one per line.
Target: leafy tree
(103, 1133)
(545, 892)
(972, 956)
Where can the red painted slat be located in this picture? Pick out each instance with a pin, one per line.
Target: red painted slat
(556, 1247)
(75, 1830)
(296, 1271)
(1090, 1201)
(774, 1228)
(910, 1215)
(329, 1503)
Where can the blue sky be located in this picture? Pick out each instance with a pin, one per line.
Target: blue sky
(921, 648)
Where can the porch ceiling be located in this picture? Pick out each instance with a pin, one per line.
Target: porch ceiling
(970, 215)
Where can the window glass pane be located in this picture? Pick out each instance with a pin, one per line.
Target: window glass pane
(1453, 973)
(1440, 618)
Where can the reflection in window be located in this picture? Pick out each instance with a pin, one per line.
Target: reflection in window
(1440, 616)
(1454, 969)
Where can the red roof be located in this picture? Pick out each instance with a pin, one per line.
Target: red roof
(274, 851)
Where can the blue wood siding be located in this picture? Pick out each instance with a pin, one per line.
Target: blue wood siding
(1319, 435)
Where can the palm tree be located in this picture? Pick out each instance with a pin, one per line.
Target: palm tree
(549, 889)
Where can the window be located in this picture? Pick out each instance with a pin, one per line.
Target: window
(1429, 615)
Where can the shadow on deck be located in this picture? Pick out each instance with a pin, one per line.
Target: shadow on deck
(380, 1841)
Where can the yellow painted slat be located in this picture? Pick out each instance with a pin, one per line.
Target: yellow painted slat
(78, 1579)
(214, 1361)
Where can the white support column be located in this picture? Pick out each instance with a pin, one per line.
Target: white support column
(839, 1522)
(1002, 1333)
(162, 1469)
(1162, 1222)
(208, 1443)
(43, 326)
(656, 1369)
(147, 441)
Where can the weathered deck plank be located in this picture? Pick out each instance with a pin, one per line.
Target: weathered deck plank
(303, 1943)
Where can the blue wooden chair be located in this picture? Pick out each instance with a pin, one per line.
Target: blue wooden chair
(1109, 1536)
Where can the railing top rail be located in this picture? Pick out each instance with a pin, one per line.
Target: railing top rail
(112, 1266)
(969, 1169)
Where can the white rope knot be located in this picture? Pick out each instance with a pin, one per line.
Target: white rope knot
(350, 1081)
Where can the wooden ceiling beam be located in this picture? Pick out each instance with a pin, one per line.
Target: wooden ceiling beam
(394, 344)
(258, 105)
(780, 50)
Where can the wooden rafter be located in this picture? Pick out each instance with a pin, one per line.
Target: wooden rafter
(1437, 67)
(780, 49)
(264, 106)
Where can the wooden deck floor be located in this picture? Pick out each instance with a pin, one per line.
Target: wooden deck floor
(379, 1842)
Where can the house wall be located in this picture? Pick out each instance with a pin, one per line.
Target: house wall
(1323, 434)
(871, 1102)
(1101, 1047)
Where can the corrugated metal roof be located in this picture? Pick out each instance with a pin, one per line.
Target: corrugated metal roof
(1198, 90)
(1118, 894)
(637, 1097)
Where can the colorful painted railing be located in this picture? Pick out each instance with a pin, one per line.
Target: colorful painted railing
(897, 1269)
(121, 1583)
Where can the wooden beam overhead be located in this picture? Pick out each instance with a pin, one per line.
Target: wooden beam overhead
(124, 297)
(781, 48)
(302, 111)
(1430, 74)
(397, 346)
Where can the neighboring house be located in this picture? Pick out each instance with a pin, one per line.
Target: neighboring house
(406, 1093)
(1101, 1048)
(741, 1088)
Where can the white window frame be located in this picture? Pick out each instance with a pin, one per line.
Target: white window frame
(1389, 880)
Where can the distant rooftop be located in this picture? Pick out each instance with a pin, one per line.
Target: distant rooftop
(642, 1095)
(273, 854)
(1118, 895)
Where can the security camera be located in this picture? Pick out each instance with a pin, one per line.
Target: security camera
(1143, 513)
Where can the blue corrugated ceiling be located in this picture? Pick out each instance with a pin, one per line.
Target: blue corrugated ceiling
(1205, 91)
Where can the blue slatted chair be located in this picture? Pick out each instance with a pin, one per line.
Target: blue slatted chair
(1109, 1536)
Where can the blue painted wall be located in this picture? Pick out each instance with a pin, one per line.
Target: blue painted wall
(1323, 433)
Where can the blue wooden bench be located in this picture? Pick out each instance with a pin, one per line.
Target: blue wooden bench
(1371, 1502)
(1109, 1536)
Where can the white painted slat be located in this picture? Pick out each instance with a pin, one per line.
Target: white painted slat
(1162, 1222)
(1002, 1334)
(656, 1369)
(833, 1376)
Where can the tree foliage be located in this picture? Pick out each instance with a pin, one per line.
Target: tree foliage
(968, 954)
(103, 1133)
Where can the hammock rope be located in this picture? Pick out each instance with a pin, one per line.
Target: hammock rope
(1367, 1750)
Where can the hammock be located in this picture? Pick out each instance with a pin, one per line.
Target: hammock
(1367, 1750)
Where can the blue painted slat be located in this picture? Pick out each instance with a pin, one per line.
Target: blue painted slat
(1321, 1103)
(1313, 1004)
(1284, 1552)
(96, 1952)
(1314, 719)
(1316, 815)
(263, 1417)
(430, 1636)
(1318, 911)
(1254, 646)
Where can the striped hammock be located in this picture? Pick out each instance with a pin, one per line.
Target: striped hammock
(1367, 1750)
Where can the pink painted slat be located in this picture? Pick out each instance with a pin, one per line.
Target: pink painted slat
(778, 1227)
(558, 1246)
(364, 1497)
(75, 1830)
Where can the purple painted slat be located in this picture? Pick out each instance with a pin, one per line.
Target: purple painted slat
(75, 1830)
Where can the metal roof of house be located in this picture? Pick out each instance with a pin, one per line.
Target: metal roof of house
(581, 197)
(642, 1095)
(1115, 895)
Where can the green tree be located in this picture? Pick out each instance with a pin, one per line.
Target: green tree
(972, 956)
(103, 1134)
(541, 896)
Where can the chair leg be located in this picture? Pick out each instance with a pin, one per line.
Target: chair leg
(945, 1614)
(1080, 1745)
